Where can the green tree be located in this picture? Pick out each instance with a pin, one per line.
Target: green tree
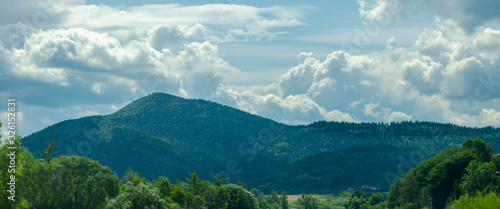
(47, 153)
(79, 182)
(164, 186)
(284, 201)
(483, 150)
(376, 199)
(36, 184)
(198, 202)
(307, 202)
(142, 195)
(394, 192)
(274, 197)
(480, 177)
(10, 172)
(356, 202)
(178, 195)
(130, 175)
(490, 201)
(196, 185)
(220, 198)
(409, 191)
(240, 198)
(218, 180)
(263, 203)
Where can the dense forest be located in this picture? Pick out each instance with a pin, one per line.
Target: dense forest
(336, 171)
(457, 178)
(165, 135)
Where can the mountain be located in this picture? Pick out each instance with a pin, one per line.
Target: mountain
(159, 134)
(165, 135)
(335, 171)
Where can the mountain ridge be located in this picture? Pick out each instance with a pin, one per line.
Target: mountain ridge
(162, 134)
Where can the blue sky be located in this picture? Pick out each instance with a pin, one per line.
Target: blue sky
(292, 61)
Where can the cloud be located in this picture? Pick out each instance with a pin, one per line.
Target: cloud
(173, 37)
(60, 62)
(110, 56)
(228, 22)
(435, 79)
(468, 14)
(293, 109)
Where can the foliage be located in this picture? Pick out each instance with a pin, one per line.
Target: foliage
(165, 135)
(78, 182)
(490, 201)
(480, 177)
(10, 173)
(448, 176)
(284, 201)
(333, 172)
(142, 195)
(308, 202)
(164, 186)
(69, 182)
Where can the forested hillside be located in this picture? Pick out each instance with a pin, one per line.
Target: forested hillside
(450, 179)
(457, 178)
(336, 171)
(165, 135)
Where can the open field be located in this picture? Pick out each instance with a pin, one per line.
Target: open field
(321, 197)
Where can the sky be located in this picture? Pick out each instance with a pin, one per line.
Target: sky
(292, 61)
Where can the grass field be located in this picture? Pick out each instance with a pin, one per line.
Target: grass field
(321, 197)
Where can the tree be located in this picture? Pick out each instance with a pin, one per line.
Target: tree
(375, 199)
(284, 201)
(490, 201)
(394, 192)
(142, 195)
(358, 193)
(409, 190)
(274, 197)
(307, 201)
(196, 185)
(240, 198)
(164, 186)
(36, 184)
(220, 199)
(263, 204)
(178, 195)
(79, 182)
(218, 180)
(198, 202)
(10, 174)
(47, 153)
(132, 176)
(479, 177)
(483, 150)
(356, 203)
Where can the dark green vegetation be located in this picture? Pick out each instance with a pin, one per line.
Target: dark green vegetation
(164, 135)
(463, 177)
(350, 167)
(80, 183)
(454, 178)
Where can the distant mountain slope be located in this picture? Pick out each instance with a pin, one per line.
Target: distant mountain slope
(304, 141)
(162, 134)
(157, 135)
(335, 171)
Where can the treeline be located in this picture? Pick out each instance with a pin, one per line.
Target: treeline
(466, 177)
(78, 182)
(334, 172)
(302, 141)
(455, 178)
(167, 135)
